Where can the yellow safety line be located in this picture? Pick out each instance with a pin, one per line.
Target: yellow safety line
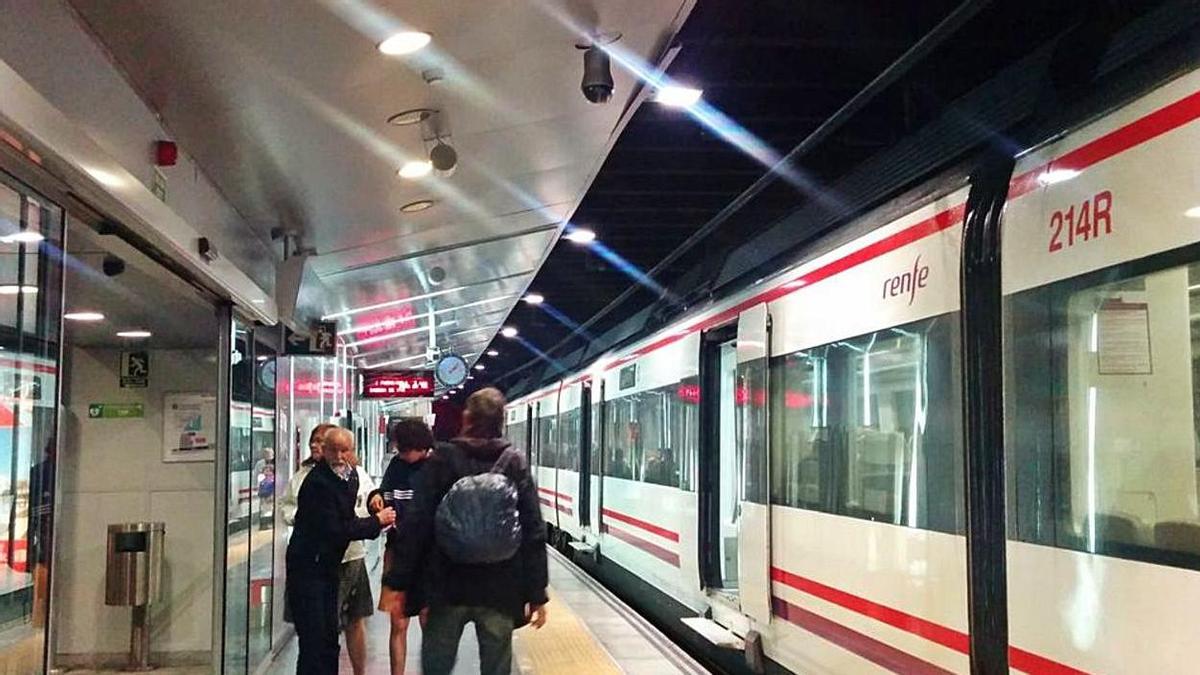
(564, 645)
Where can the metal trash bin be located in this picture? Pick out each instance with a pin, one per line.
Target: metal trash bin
(133, 577)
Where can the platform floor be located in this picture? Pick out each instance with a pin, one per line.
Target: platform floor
(588, 630)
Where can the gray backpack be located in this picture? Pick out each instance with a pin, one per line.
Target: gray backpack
(478, 521)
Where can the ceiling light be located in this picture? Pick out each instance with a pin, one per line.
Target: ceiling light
(83, 316)
(263, 358)
(22, 237)
(106, 177)
(479, 366)
(508, 332)
(534, 298)
(470, 377)
(404, 42)
(134, 333)
(678, 97)
(580, 236)
(417, 206)
(1193, 212)
(411, 117)
(13, 289)
(493, 352)
(1056, 176)
(417, 168)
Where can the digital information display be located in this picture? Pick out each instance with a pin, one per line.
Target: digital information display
(397, 384)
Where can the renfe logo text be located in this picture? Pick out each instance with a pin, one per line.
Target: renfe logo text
(907, 283)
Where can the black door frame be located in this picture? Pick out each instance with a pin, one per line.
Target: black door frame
(583, 508)
(708, 470)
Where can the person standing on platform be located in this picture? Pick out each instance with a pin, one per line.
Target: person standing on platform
(325, 524)
(486, 564)
(412, 440)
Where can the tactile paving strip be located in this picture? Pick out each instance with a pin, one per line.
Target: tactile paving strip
(563, 645)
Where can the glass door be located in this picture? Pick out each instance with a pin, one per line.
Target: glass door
(30, 308)
(239, 501)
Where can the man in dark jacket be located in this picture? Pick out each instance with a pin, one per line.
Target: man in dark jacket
(325, 525)
(497, 597)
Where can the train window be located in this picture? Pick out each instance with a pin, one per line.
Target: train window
(652, 436)
(596, 436)
(516, 435)
(870, 427)
(568, 451)
(547, 452)
(1102, 393)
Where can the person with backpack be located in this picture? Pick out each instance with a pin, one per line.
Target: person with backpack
(412, 440)
(476, 539)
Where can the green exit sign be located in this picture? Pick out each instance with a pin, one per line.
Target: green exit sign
(116, 411)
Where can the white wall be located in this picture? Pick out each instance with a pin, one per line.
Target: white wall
(112, 471)
(47, 46)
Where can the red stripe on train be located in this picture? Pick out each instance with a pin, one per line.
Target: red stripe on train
(947, 637)
(669, 557)
(1165, 119)
(879, 653)
(649, 527)
(552, 493)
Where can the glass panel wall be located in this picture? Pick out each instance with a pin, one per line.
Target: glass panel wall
(30, 302)
(137, 444)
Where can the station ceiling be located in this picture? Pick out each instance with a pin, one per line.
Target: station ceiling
(285, 105)
(777, 70)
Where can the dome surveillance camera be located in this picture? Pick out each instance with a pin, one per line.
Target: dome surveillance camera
(443, 158)
(436, 275)
(112, 265)
(597, 82)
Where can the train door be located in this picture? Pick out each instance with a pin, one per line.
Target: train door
(750, 423)
(583, 508)
(719, 463)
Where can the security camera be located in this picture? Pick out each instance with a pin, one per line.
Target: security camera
(597, 82)
(443, 158)
(112, 265)
(437, 275)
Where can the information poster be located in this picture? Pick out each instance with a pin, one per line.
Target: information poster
(1123, 338)
(189, 427)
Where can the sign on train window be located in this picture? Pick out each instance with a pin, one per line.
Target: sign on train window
(628, 377)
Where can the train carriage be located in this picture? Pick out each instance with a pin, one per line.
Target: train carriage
(788, 462)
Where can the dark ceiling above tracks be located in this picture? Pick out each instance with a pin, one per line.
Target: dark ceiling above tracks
(780, 69)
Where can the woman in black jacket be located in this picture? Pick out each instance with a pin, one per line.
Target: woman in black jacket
(325, 525)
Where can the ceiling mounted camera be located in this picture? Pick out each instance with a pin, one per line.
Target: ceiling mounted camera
(444, 158)
(597, 85)
(436, 275)
(112, 265)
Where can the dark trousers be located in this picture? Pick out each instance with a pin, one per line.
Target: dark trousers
(440, 637)
(313, 598)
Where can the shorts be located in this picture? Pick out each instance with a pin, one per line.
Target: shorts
(354, 593)
(413, 603)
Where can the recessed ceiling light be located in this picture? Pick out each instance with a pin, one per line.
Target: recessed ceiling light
(480, 366)
(508, 332)
(493, 352)
(411, 117)
(134, 333)
(417, 168)
(13, 289)
(1193, 212)
(83, 316)
(22, 237)
(534, 298)
(1056, 176)
(262, 358)
(417, 206)
(580, 236)
(678, 97)
(404, 42)
(470, 377)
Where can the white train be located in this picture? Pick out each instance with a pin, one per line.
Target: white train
(788, 461)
